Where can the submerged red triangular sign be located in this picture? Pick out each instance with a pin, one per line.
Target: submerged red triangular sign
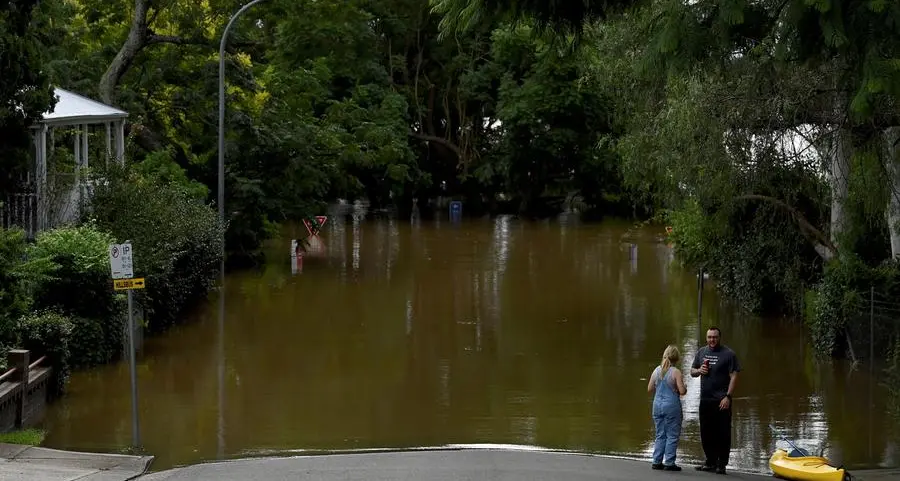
(320, 220)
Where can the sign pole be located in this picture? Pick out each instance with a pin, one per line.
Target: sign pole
(121, 263)
(135, 427)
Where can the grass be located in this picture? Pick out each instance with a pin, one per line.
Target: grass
(30, 437)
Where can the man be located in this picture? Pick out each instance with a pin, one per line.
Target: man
(718, 365)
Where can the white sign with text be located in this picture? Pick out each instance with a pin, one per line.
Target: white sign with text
(120, 261)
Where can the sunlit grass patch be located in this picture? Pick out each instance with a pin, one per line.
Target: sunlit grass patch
(30, 437)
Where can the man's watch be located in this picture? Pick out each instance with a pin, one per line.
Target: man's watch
(728, 396)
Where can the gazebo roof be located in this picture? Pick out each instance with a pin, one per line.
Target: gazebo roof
(74, 109)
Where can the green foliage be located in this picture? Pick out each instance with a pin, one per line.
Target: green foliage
(552, 122)
(78, 285)
(349, 122)
(14, 298)
(892, 379)
(96, 341)
(754, 248)
(858, 37)
(57, 298)
(78, 280)
(693, 231)
(49, 333)
(562, 15)
(26, 32)
(176, 239)
(25, 437)
(159, 167)
(739, 200)
(18, 274)
(841, 296)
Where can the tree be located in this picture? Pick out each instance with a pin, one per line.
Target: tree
(26, 33)
(563, 16)
(552, 124)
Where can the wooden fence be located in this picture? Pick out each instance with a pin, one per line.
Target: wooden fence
(23, 391)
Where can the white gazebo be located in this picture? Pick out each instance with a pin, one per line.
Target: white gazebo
(35, 210)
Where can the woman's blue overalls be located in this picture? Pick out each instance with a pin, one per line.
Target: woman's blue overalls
(667, 417)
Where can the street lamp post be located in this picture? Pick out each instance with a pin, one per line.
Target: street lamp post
(221, 200)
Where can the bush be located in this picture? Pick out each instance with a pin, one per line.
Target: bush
(892, 379)
(754, 251)
(841, 297)
(160, 168)
(79, 285)
(48, 333)
(96, 341)
(17, 275)
(176, 239)
(64, 276)
(14, 299)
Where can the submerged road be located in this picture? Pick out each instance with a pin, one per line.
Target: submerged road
(437, 465)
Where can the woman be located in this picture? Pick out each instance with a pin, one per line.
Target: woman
(667, 387)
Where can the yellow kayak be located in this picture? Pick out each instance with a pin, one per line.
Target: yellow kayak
(805, 468)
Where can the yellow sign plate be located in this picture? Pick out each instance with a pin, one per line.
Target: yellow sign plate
(125, 284)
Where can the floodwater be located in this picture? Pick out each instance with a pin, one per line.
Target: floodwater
(411, 333)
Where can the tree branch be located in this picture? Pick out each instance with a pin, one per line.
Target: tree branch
(154, 39)
(805, 226)
(147, 139)
(440, 140)
(232, 47)
(137, 36)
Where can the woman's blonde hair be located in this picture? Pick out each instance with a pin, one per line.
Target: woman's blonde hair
(671, 356)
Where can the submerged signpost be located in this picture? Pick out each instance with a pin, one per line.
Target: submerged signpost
(121, 264)
(455, 211)
(314, 229)
(700, 336)
(314, 244)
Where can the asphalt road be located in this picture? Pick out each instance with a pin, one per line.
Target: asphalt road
(443, 465)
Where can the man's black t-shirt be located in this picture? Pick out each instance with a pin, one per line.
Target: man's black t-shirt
(722, 362)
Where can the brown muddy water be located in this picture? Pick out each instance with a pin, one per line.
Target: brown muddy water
(410, 333)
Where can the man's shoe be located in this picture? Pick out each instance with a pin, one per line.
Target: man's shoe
(720, 470)
(673, 467)
(656, 466)
(705, 467)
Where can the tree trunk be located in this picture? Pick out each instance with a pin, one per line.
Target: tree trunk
(839, 152)
(892, 162)
(137, 39)
(823, 246)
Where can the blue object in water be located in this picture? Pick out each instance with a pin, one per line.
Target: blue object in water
(455, 210)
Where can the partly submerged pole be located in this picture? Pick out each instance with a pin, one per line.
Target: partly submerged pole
(700, 308)
(221, 202)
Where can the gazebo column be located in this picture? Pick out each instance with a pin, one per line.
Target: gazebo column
(81, 164)
(76, 149)
(40, 177)
(120, 141)
(108, 141)
(65, 197)
(84, 146)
